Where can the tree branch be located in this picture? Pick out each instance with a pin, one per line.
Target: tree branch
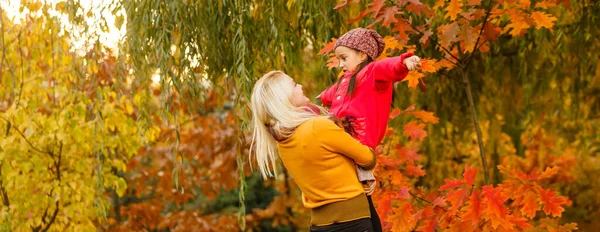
(435, 41)
(5, 200)
(485, 20)
(25, 138)
(12, 93)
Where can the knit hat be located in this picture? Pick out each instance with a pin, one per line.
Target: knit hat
(364, 40)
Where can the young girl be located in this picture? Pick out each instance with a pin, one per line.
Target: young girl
(318, 154)
(363, 95)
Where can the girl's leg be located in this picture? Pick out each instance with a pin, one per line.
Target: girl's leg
(359, 225)
(374, 216)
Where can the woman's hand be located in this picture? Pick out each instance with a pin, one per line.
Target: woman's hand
(412, 62)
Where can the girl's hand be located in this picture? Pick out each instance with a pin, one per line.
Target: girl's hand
(412, 62)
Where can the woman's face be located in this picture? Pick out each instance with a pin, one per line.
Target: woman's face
(298, 97)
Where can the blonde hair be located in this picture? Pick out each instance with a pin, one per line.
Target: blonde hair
(271, 106)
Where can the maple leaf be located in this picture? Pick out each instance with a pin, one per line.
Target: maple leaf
(429, 65)
(448, 34)
(419, 9)
(333, 62)
(439, 201)
(530, 205)
(408, 154)
(518, 23)
(469, 175)
(473, 209)
(413, 78)
(453, 9)
(474, 2)
(549, 172)
(403, 193)
(389, 16)
(426, 116)
(425, 38)
(345, 3)
(384, 205)
(552, 204)
(468, 36)
(450, 184)
(390, 162)
(395, 112)
(415, 131)
(490, 32)
(456, 199)
(327, 47)
(415, 171)
(401, 27)
(359, 17)
(375, 7)
(495, 209)
(542, 19)
(428, 226)
(398, 179)
(402, 219)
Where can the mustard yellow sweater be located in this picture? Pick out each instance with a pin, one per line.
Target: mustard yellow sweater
(320, 157)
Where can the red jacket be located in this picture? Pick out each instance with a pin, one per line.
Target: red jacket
(372, 99)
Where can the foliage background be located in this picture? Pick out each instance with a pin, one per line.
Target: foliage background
(149, 135)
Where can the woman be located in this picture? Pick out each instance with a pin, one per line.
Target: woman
(318, 154)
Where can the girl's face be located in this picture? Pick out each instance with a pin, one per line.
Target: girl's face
(349, 58)
(298, 97)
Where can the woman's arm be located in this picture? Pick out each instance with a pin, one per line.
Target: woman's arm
(335, 139)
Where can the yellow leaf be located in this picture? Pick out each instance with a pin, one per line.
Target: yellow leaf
(542, 19)
(413, 79)
(453, 9)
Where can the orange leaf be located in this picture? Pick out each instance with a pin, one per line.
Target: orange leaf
(419, 9)
(410, 108)
(552, 204)
(327, 47)
(494, 206)
(415, 171)
(453, 9)
(413, 78)
(517, 24)
(395, 112)
(473, 209)
(490, 32)
(439, 201)
(450, 184)
(398, 179)
(429, 65)
(448, 34)
(426, 116)
(530, 205)
(425, 38)
(401, 27)
(415, 131)
(333, 62)
(548, 173)
(474, 2)
(456, 199)
(428, 226)
(345, 3)
(402, 219)
(387, 161)
(542, 19)
(469, 175)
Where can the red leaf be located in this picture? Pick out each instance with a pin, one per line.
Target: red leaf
(408, 154)
(448, 34)
(474, 2)
(428, 226)
(389, 16)
(415, 131)
(552, 204)
(469, 175)
(456, 199)
(419, 9)
(332, 62)
(410, 108)
(490, 32)
(375, 7)
(415, 171)
(404, 193)
(473, 209)
(398, 179)
(327, 47)
(530, 205)
(390, 162)
(439, 201)
(495, 209)
(402, 27)
(450, 184)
